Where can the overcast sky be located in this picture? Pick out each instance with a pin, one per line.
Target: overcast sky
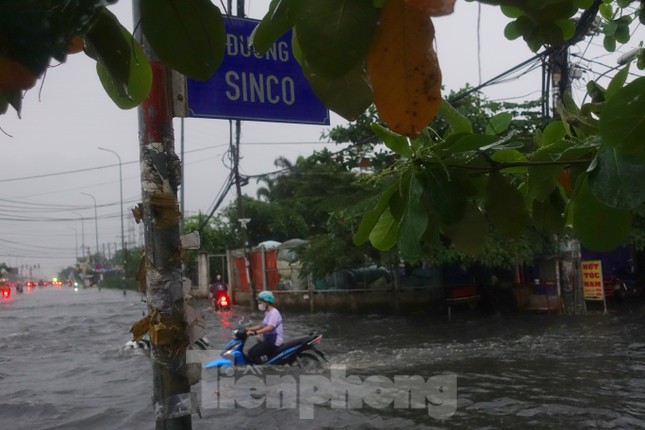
(51, 157)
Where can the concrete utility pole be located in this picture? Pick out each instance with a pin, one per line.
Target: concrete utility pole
(559, 62)
(96, 223)
(235, 149)
(82, 233)
(160, 177)
(123, 256)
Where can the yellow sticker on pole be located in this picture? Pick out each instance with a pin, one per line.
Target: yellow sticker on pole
(592, 280)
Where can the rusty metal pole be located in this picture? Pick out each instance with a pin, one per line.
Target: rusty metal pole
(160, 178)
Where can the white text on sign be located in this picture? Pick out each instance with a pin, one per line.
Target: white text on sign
(258, 87)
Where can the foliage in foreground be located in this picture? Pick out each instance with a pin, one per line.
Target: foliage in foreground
(587, 168)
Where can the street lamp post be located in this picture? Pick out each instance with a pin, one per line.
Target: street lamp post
(82, 233)
(76, 242)
(96, 222)
(123, 256)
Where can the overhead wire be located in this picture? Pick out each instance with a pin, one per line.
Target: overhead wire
(223, 192)
(106, 166)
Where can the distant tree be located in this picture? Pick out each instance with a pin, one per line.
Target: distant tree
(269, 221)
(216, 234)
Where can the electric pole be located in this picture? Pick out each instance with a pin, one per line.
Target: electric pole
(235, 149)
(160, 177)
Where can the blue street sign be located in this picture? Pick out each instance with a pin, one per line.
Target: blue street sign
(270, 87)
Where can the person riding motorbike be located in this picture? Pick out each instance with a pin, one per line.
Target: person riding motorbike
(271, 329)
(218, 289)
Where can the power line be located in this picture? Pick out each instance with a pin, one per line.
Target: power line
(107, 166)
(45, 208)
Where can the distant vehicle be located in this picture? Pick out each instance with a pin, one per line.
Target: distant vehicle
(221, 302)
(5, 291)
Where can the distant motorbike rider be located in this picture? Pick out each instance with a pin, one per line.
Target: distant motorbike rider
(218, 286)
(271, 329)
(217, 289)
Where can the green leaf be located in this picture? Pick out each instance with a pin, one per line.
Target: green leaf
(277, 21)
(349, 96)
(397, 143)
(597, 226)
(513, 30)
(542, 178)
(622, 123)
(622, 33)
(534, 39)
(610, 28)
(607, 11)
(640, 58)
(187, 35)
(549, 214)
(552, 34)
(107, 45)
(398, 202)
(511, 11)
(470, 142)
(567, 27)
(370, 219)
(121, 64)
(499, 123)
(335, 35)
(618, 179)
(553, 132)
(385, 232)
(469, 234)
(523, 26)
(505, 206)
(609, 43)
(133, 95)
(617, 82)
(414, 221)
(510, 156)
(583, 4)
(624, 20)
(456, 120)
(443, 194)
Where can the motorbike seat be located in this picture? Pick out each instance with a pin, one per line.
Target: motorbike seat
(291, 343)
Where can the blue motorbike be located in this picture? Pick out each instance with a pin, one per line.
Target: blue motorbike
(300, 352)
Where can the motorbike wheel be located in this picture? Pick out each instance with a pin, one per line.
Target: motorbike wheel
(310, 362)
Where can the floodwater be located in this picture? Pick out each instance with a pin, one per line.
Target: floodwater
(63, 366)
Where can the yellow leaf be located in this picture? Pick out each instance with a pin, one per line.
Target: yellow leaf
(14, 75)
(433, 7)
(403, 69)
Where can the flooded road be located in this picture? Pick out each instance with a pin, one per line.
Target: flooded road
(63, 366)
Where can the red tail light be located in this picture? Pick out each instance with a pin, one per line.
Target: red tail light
(6, 292)
(223, 301)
